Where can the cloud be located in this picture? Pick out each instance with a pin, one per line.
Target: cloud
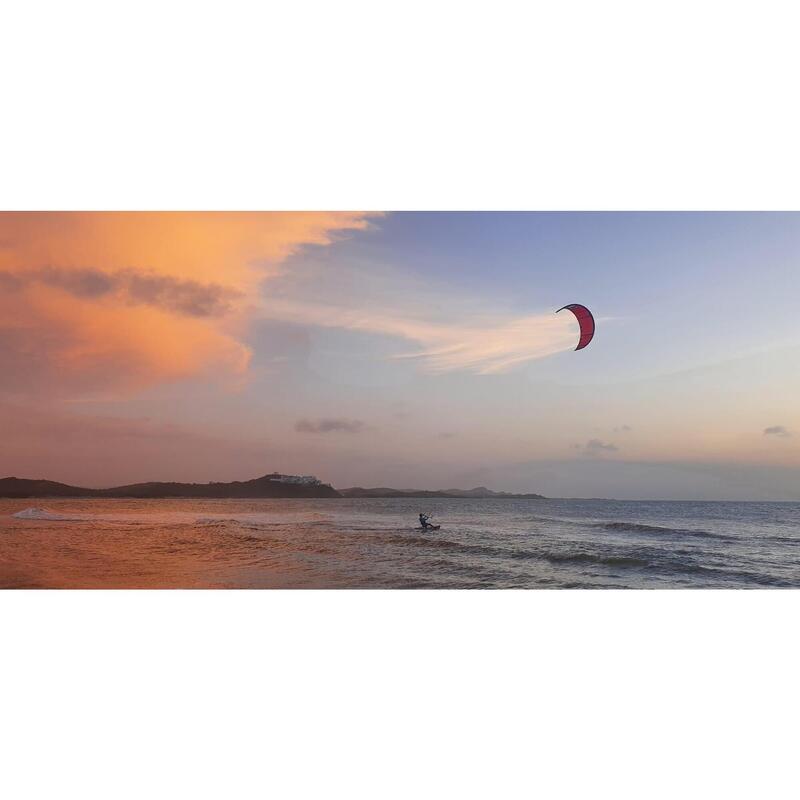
(595, 447)
(121, 300)
(496, 347)
(622, 429)
(449, 331)
(778, 430)
(447, 435)
(132, 287)
(329, 425)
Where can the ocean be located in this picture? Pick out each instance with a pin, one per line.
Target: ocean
(376, 544)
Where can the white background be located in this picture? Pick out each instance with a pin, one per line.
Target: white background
(404, 105)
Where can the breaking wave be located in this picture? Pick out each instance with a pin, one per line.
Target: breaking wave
(43, 513)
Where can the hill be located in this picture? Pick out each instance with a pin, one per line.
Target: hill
(266, 486)
(273, 485)
(25, 487)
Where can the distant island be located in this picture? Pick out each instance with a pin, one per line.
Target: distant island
(275, 485)
(481, 493)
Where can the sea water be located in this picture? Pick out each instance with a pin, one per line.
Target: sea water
(376, 543)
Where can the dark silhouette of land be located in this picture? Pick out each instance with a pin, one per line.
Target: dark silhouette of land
(266, 486)
(481, 492)
(25, 487)
(273, 485)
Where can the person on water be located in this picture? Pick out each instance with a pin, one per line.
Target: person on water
(423, 521)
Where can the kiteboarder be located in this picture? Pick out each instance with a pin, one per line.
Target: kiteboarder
(426, 525)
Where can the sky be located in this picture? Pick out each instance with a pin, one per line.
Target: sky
(405, 349)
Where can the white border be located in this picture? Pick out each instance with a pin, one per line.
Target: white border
(398, 694)
(428, 104)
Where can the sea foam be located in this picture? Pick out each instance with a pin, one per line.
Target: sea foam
(40, 513)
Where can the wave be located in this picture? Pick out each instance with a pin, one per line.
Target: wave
(444, 544)
(634, 526)
(589, 558)
(736, 576)
(524, 555)
(637, 527)
(43, 513)
(783, 539)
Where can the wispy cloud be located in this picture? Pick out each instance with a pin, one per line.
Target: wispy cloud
(329, 425)
(778, 430)
(448, 331)
(498, 347)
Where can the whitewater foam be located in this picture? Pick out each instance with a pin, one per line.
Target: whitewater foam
(43, 513)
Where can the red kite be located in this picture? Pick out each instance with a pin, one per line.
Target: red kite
(585, 320)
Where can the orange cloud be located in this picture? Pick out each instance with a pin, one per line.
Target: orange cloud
(97, 300)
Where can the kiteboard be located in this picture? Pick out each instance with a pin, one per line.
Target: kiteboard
(432, 528)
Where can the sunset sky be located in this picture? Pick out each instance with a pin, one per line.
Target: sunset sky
(405, 349)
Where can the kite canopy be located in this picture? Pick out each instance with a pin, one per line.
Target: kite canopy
(585, 320)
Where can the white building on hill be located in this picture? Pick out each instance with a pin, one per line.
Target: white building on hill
(304, 480)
